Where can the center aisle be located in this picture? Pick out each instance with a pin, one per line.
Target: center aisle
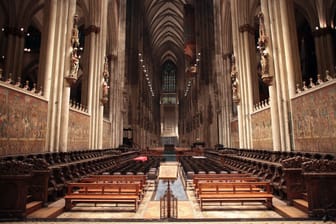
(169, 155)
(176, 187)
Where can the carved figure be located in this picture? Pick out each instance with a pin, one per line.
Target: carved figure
(234, 79)
(74, 64)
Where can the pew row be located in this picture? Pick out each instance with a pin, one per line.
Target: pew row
(234, 192)
(102, 193)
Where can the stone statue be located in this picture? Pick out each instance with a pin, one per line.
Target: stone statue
(105, 85)
(262, 33)
(262, 46)
(74, 59)
(74, 64)
(235, 82)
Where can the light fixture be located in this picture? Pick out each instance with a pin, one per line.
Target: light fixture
(145, 71)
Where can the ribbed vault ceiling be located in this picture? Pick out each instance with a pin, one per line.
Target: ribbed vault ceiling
(165, 24)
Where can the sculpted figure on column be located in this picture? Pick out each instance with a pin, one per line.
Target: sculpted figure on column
(262, 46)
(235, 82)
(74, 61)
(105, 86)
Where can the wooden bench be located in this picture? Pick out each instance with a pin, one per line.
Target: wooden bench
(102, 193)
(222, 175)
(123, 179)
(234, 191)
(115, 178)
(219, 175)
(198, 181)
(236, 177)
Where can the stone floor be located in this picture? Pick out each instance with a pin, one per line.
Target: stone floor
(188, 212)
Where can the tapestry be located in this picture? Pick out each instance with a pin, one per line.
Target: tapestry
(262, 129)
(107, 135)
(79, 131)
(23, 122)
(234, 134)
(314, 120)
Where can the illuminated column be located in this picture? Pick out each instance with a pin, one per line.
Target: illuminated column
(58, 92)
(290, 49)
(47, 46)
(71, 65)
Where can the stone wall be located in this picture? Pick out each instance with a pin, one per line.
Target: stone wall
(79, 131)
(314, 119)
(23, 122)
(262, 129)
(107, 135)
(234, 134)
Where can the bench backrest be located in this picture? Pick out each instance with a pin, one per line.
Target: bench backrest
(202, 175)
(233, 187)
(103, 188)
(224, 179)
(115, 179)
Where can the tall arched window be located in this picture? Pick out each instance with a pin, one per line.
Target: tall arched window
(169, 77)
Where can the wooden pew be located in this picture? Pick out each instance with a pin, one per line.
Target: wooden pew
(139, 179)
(223, 176)
(102, 193)
(198, 181)
(114, 178)
(235, 191)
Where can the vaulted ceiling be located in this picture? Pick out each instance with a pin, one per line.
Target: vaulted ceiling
(165, 23)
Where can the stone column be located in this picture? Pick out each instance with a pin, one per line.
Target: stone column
(290, 49)
(235, 42)
(102, 49)
(63, 142)
(280, 73)
(219, 74)
(97, 51)
(47, 46)
(268, 76)
(246, 32)
(58, 95)
(121, 68)
(227, 104)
